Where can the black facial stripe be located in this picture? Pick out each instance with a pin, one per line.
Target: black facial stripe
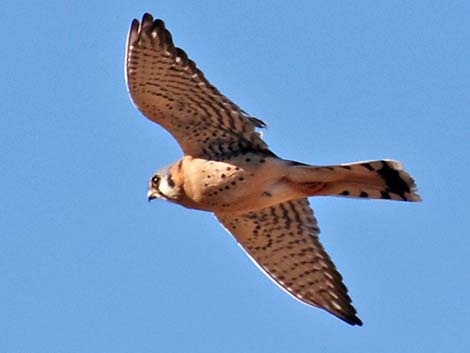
(170, 181)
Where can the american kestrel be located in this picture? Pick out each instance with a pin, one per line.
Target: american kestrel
(229, 170)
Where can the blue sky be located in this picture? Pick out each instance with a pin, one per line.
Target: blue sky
(87, 265)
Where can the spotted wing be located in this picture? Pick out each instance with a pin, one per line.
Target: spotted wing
(283, 241)
(168, 88)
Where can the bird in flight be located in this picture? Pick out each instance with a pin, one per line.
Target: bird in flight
(227, 169)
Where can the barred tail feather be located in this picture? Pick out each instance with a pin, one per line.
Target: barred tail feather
(382, 179)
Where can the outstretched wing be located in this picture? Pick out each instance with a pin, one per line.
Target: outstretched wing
(170, 90)
(283, 241)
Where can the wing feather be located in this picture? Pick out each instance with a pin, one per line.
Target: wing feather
(170, 90)
(283, 241)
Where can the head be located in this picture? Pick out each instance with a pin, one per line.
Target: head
(162, 186)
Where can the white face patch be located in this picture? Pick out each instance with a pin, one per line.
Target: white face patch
(166, 186)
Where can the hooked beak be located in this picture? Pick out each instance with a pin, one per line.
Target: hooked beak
(151, 195)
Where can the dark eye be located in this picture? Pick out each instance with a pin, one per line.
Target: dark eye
(156, 180)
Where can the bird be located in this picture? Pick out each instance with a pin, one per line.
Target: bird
(228, 169)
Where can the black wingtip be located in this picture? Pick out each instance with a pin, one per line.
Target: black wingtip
(136, 28)
(352, 320)
(355, 321)
(135, 23)
(147, 17)
(347, 313)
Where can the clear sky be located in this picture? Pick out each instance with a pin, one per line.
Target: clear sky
(87, 265)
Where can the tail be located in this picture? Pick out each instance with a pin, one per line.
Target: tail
(383, 179)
